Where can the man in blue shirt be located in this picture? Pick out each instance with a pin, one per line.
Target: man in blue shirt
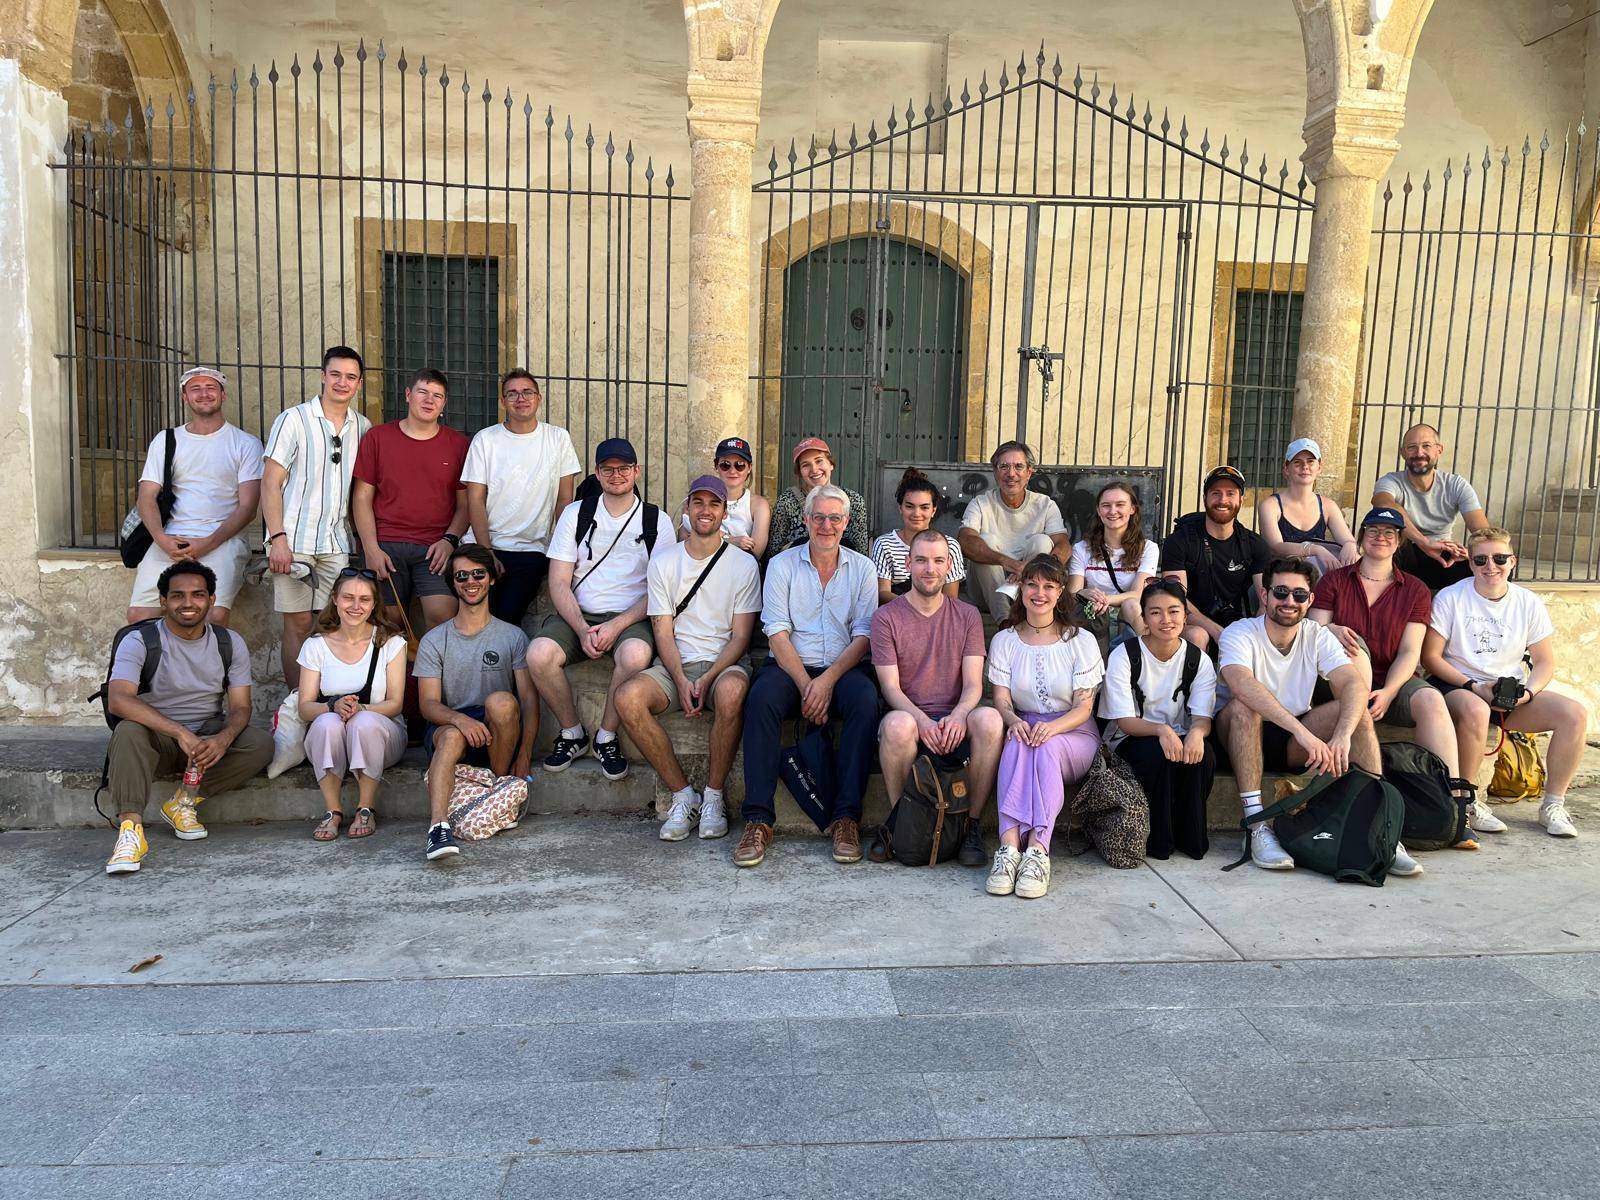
(817, 614)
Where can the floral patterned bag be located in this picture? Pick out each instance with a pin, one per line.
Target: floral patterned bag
(482, 805)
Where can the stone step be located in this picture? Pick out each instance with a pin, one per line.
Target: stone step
(1569, 521)
(1573, 548)
(1583, 499)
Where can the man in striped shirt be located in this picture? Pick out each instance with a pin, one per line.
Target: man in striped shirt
(305, 498)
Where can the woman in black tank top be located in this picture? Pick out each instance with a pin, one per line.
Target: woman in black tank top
(1325, 540)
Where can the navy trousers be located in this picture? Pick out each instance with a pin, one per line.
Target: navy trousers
(772, 699)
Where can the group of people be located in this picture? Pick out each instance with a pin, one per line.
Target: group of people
(1155, 652)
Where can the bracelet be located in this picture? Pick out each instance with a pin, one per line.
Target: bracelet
(272, 537)
(453, 538)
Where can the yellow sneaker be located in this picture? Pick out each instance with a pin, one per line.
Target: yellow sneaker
(185, 823)
(130, 848)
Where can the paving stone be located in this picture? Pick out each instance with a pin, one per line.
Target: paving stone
(1146, 1038)
(660, 1050)
(1246, 1097)
(849, 1046)
(756, 994)
(416, 1179)
(1060, 1169)
(1541, 1026)
(799, 1110)
(1383, 980)
(773, 1173)
(1570, 975)
(1381, 1033)
(530, 1000)
(1002, 1104)
(52, 1123)
(1554, 1086)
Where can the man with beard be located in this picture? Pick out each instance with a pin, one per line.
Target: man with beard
(1271, 665)
(1435, 504)
(1217, 560)
(180, 695)
(475, 693)
(704, 594)
(928, 651)
(1007, 525)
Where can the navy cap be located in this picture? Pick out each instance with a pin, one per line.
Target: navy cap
(735, 446)
(1231, 474)
(620, 448)
(1384, 516)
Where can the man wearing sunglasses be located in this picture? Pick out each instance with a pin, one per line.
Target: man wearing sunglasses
(305, 498)
(1271, 664)
(1491, 650)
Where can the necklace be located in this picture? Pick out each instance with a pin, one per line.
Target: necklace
(1370, 579)
(1046, 625)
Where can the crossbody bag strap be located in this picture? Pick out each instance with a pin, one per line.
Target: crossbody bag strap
(701, 578)
(595, 564)
(1116, 582)
(365, 694)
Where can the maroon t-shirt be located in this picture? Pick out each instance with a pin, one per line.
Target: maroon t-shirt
(928, 650)
(1405, 600)
(416, 481)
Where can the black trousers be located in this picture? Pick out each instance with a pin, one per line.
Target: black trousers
(1414, 562)
(1177, 793)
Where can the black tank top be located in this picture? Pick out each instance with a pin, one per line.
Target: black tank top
(1289, 533)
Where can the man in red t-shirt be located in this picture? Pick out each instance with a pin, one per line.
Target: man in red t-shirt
(407, 501)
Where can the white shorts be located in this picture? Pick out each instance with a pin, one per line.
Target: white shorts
(291, 595)
(227, 560)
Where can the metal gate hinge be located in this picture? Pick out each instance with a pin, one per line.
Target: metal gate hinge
(883, 225)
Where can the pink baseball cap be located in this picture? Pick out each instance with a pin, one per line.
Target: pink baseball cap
(809, 444)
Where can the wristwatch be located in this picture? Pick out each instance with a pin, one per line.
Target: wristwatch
(453, 538)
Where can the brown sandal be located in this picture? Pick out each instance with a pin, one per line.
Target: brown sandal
(328, 829)
(364, 825)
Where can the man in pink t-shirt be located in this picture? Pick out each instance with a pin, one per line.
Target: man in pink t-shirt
(927, 649)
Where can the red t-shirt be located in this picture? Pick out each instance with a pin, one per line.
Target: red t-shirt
(416, 481)
(928, 650)
(1406, 600)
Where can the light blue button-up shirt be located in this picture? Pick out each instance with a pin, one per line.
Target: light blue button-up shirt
(820, 621)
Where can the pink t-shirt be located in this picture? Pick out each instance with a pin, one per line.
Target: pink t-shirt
(928, 650)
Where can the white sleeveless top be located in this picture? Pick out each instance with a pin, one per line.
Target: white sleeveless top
(737, 523)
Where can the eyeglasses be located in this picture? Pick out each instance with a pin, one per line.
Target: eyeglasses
(1300, 595)
(733, 464)
(1500, 560)
(521, 394)
(359, 573)
(338, 449)
(477, 575)
(614, 472)
(1386, 533)
(828, 518)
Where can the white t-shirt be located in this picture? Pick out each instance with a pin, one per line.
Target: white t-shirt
(1043, 678)
(1291, 677)
(1095, 575)
(207, 469)
(335, 677)
(619, 580)
(1485, 639)
(521, 472)
(1158, 681)
(703, 629)
(739, 521)
(1007, 530)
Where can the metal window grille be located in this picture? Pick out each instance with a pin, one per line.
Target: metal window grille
(1261, 398)
(418, 291)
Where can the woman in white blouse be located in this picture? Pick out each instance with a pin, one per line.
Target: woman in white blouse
(1045, 671)
(352, 686)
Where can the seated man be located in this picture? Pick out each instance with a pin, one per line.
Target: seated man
(1435, 504)
(817, 613)
(474, 692)
(1486, 629)
(180, 690)
(598, 590)
(705, 593)
(1217, 560)
(1271, 665)
(1006, 526)
(928, 652)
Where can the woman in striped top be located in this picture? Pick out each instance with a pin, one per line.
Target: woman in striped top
(919, 503)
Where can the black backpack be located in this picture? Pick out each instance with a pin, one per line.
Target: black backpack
(1435, 820)
(920, 829)
(588, 495)
(1191, 668)
(1345, 826)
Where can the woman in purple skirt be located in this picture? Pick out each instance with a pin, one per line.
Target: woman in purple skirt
(1045, 671)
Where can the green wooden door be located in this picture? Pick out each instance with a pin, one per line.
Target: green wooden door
(829, 378)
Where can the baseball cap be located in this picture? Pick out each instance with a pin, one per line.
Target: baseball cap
(1231, 474)
(710, 483)
(809, 444)
(615, 448)
(1300, 444)
(202, 373)
(735, 446)
(1384, 516)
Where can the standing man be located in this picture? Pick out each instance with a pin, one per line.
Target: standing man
(1006, 526)
(1217, 560)
(928, 652)
(407, 501)
(599, 555)
(704, 595)
(519, 476)
(216, 476)
(305, 498)
(1435, 504)
(475, 693)
(817, 613)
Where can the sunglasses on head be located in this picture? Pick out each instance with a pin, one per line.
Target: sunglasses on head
(359, 573)
(338, 448)
(1299, 595)
(733, 464)
(1500, 560)
(477, 574)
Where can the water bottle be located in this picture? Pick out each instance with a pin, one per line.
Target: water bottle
(189, 786)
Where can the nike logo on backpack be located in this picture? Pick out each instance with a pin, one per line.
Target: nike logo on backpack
(1322, 837)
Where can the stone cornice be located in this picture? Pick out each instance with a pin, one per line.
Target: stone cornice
(1356, 136)
(724, 110)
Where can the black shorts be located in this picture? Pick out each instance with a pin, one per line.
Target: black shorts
(952, 761)
(411, 575)
(472, 756)
(1275, 741)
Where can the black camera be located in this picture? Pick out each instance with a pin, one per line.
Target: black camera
(1508, 690)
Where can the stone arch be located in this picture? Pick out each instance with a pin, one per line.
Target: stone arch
(728, 37)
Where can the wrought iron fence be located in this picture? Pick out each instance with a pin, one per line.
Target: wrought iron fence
(411, 211)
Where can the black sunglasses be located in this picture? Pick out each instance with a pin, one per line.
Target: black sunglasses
(359, 573)
(1500, 560)
(478, 573)
(733, 464)
(1300, 595)
(338, 449)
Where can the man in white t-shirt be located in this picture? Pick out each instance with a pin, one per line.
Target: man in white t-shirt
(1271, 665)
(216, 479)
(1490, 647)
(1006, 526)
(599, 555)
(704, 594)
(519, 476)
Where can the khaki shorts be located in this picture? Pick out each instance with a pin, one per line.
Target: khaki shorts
(227, 562)
(555, 627)
(291, 595)
(662, 678)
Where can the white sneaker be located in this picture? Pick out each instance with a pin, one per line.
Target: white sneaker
(713, 817)
(1003, 875)
(1482, 820)
(1556, 820)
(1404, 865)
(1267, 852)
(1033, 875)
(680, 817)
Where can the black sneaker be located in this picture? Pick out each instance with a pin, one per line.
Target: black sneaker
(567, 751)
(441, 842)
(612, 764)
(971, 852)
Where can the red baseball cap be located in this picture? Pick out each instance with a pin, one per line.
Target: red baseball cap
(809, 444)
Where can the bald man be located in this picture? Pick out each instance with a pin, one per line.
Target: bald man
(1435, 504)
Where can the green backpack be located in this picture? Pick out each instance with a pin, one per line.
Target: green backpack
(1345, 826)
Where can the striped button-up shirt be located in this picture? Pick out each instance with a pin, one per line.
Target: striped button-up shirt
(820, 621)
(316, 496)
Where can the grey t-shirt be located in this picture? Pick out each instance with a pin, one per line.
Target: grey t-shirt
(188, 686)
(469, 669)
(1437, 511)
